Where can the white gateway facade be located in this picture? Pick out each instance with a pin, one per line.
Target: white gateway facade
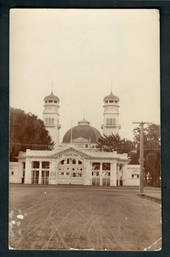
(72, 165)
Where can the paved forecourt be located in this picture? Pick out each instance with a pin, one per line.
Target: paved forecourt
(80, 217)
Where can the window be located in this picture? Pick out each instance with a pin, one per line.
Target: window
(35, 164)
(46, 121)
(74, 174)
(111, 101)
(45, 165)
(23, 165)
(96, 165)
(106, 166)
(86, 145)
(50, 101)
(35, 176)
(12, 173)
(55, 101)
(132, 175)
(110, 121)
(68, 161)
(79, 162)
(67, 173)
(74, 161)
(137, 175)
(62, 162)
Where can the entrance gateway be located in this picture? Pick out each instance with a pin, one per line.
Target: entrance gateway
(72, 165)
(70, 171)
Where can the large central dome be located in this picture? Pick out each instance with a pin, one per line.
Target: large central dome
(83, 132)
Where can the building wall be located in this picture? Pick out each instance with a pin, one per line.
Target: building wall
(132, 175)
(15, 175)
(118, 171)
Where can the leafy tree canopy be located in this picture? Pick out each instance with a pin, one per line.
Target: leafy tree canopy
(152, 151)
(115, 143)
(27, 132)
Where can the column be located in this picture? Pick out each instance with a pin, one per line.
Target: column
(118, 174)
(40, 173)
(87, 172)
(28, 171)
(113, 175)
(125, 174)
(52, 173)
(100, 174)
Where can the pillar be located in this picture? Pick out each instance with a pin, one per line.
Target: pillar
(52, 173)
(125, 174)
(100, 174)
(118, 174)
(113, 174)
(40, 173)
(28, 170)
(87, 172)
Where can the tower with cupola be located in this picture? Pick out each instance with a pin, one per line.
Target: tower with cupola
(51, 116)
(111, 115)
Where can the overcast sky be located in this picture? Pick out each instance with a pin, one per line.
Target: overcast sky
(84, 54)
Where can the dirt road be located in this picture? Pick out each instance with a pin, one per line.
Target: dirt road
(66, 217)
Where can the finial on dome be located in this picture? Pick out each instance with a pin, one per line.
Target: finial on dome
(111, 96)
(83, 122)
(51, 86)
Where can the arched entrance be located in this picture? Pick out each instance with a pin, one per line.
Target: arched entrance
(70, 171)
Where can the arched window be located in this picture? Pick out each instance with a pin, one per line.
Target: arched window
(73, 161)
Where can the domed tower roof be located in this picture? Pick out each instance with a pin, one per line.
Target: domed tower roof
(82, 131)
(111, 97)
(52, 97)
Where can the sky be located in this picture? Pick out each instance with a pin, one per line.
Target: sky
(83, 54)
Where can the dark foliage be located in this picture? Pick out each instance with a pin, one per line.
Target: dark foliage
(115, 143)
(27, 132)
(152, 152)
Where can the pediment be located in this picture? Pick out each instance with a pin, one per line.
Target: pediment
(70, 152)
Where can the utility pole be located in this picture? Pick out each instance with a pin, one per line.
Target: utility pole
(141, 158)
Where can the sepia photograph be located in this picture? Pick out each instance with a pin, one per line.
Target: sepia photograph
(84, 137)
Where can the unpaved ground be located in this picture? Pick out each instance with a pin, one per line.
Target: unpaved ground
(64, 217)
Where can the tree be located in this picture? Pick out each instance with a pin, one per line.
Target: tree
(115, 143)
(152, 152)
(27, 132)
